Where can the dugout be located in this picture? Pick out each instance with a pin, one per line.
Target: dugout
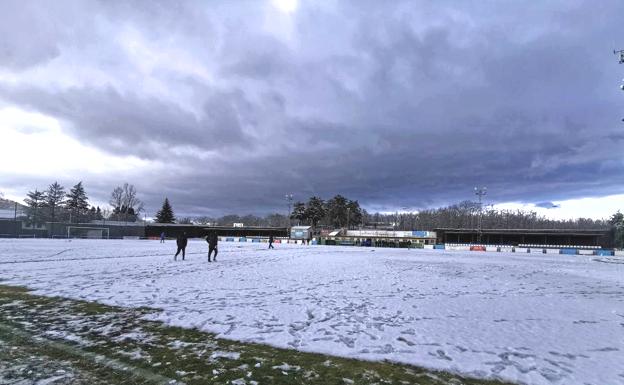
(515, 237)
(379, 238)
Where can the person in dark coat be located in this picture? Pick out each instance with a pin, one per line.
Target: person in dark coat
(162, 237)
(212, 240)
(271, 242)
(182, 241)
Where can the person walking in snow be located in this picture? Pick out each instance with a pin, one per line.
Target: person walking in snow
(162, 237)
(182, 241)
(271, 242)
(212, 240)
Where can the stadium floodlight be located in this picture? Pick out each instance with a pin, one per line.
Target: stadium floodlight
(289, 199)
(621, 54)
(480, 192)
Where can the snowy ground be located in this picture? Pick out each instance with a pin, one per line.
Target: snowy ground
(530, 318)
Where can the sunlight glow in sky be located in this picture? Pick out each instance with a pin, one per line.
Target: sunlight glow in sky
(287, 6)
(34, 145)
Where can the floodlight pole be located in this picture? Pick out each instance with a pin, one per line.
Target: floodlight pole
(289, 199)
(348, 215)
(403, 210)
(15, 220)
(621, 55)
(480, 192)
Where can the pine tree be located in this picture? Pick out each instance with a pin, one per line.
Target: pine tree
(54, 198)
(617, 221)
(315, 211)
(35, 202)
(77, 202)
(165, 214)
(299, 212)
(337, 211)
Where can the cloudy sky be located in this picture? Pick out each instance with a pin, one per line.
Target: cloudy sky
(225, 106)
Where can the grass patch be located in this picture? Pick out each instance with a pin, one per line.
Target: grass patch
(117, 345)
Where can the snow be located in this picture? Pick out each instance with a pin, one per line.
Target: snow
(529, 318)
(228, 355)
(67, 336)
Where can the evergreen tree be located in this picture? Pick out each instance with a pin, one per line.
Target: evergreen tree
(315, 211)
(77, 202)
(354, 213)
(98, 214)
(35, 202)
(54, 199)
(299, 212)
(165, 214)
(617, 221)
(337, 211)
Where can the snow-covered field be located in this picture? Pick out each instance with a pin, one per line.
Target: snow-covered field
(530, 318)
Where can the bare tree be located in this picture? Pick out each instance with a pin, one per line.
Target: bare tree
(116, 199)
(126, 205)
(130, 198)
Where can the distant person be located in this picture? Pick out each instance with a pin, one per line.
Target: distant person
(162, 237)
(212, 240)
(182, 241)
(271, 242)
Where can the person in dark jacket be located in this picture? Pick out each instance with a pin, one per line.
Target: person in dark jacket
(162, 237)
(212, 240)
(182, 241)
(271, 242)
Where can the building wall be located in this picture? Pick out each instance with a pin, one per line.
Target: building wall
(536, 237)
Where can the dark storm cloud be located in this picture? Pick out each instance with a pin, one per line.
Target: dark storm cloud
(404, 104)
(547, 205)
(129, 125)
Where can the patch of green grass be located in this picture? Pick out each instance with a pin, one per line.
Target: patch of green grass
(31, 359)
(187, 355)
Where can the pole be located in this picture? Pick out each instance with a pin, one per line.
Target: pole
(480, 192)
(15, 220)
(394, 224)
(289, 198)
(620, 53)
(348, 215)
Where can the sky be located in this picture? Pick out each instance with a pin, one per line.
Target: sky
(226, 106)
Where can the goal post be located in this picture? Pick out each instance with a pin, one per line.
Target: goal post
(87, 232)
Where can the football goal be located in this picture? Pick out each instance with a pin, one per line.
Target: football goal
(87, 232)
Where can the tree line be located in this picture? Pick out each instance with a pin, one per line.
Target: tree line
(55, 204)
(467, 215)
(336, 212)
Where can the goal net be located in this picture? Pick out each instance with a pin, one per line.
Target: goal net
(87, 232)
